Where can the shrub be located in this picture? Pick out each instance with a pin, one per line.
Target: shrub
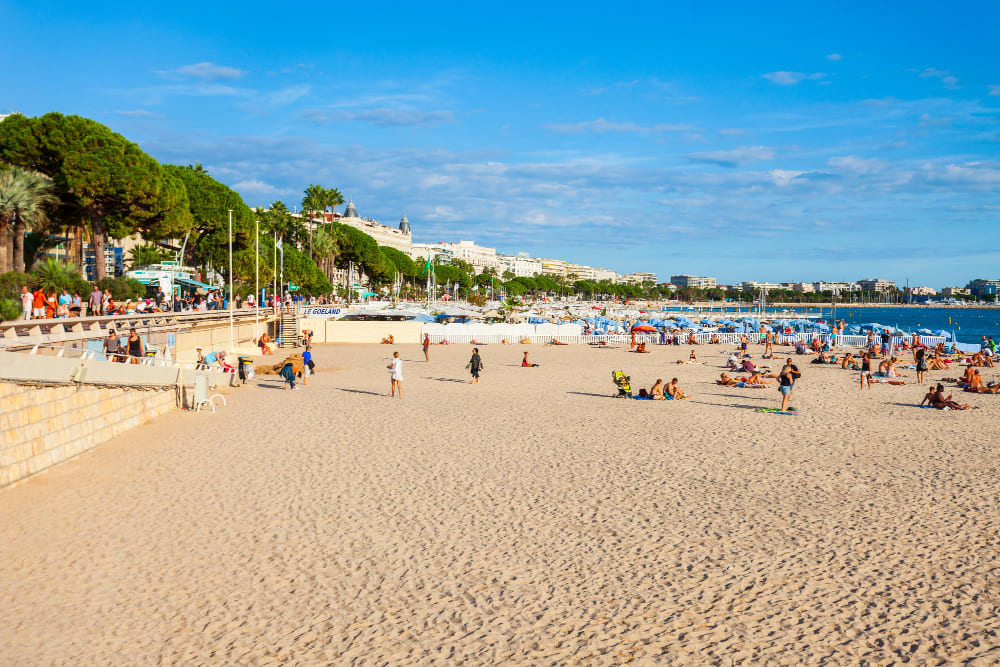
(11, 282)
(9, 309)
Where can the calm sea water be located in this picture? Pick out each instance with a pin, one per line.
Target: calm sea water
(969, 324)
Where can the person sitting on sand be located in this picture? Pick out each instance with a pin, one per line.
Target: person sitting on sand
(674, 391)
(388, 340)
(756, 380)
(815, 346)
(936, 398)
(890, 369)
(977, 385)
(693, 357)
(733, 362)
(967, 375)
(691, 339)
(265, 348)
(821, 359)
(715, 339)
(657, 391)
(748, 366)
(527, 364)
(726, 381)
(641, 348)
(848, 362)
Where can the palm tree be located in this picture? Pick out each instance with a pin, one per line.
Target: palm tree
(325, 248)
(24, 199)
(54, 274)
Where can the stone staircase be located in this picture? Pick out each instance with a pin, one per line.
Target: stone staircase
(289, 330)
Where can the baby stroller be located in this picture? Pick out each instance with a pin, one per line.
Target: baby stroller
(623, 382)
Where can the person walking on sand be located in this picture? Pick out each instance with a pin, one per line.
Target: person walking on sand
(921, 358)
(395, 375)
(427, 347)
(475, 365)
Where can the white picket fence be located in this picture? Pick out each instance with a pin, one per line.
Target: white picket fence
(571, 333)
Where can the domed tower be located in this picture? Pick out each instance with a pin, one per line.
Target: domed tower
(350, 211)
(404, 225)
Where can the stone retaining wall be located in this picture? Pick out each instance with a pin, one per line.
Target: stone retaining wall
(43, 426)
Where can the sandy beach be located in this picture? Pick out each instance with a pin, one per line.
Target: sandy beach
(530, 519)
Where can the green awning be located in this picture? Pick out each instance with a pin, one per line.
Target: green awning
(193, 283)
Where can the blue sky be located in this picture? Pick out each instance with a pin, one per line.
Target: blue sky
(784, 141)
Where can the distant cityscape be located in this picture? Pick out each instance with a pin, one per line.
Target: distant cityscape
(523, 265)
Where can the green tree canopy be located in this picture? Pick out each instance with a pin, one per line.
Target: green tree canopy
(209, 202)
(106, 180)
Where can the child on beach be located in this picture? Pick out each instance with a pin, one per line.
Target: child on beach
(525, 363)
(475, 365)
(395, 375)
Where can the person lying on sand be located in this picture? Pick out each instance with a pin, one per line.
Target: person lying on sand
(756, 380)
(726, 381)
(557, 342)
(937, 364)
(936, 399)
(476, 342)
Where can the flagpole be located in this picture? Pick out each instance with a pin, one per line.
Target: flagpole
(256, 280)
(232, 340)
(274, 277)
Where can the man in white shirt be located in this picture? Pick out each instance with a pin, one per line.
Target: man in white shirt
(26, 300)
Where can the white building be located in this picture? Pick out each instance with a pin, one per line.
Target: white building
(876, 285)
(923, 291)
(602, 275)
(395, 237)
(803, 288)
(639, 278)
(553, 267)
(753, 286)
(521, 265)
(836, 288)
(581, 272)
(478, 256)
(434, 250)
(955, 291)
(685, 280)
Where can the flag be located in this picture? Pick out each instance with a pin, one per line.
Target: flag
(281, 247)
(427, 267)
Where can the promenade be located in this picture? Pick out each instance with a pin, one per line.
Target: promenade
(527, 519)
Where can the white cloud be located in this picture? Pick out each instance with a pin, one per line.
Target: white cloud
(859, 165)
(783, 78)
(258, 187)
(382, 117)
(950, 82)
(206, 71)
(736, 157)
(783, 177)
(138, 113)
(834, 57)
(286, 96)
(600, 126)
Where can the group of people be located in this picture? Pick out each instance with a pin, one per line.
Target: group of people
(121, 350)
(47, 304)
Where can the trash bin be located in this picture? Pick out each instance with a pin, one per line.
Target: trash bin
(245, 369)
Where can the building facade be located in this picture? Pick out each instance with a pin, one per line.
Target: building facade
(521, 265)
(685, 280)
(835, 288)
(478, 256)
(553, 267)
(982, 287)
(876, 285)
(956, 291)
(639, 278)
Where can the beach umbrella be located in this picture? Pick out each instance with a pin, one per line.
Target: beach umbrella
(644, 328)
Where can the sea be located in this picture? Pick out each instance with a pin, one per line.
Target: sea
(969, 325)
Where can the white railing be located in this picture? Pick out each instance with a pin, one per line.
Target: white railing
(705, 338)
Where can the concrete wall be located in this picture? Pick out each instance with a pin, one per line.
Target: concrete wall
(339, 331)
(43, 426)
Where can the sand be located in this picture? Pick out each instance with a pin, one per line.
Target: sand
(528, 519)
